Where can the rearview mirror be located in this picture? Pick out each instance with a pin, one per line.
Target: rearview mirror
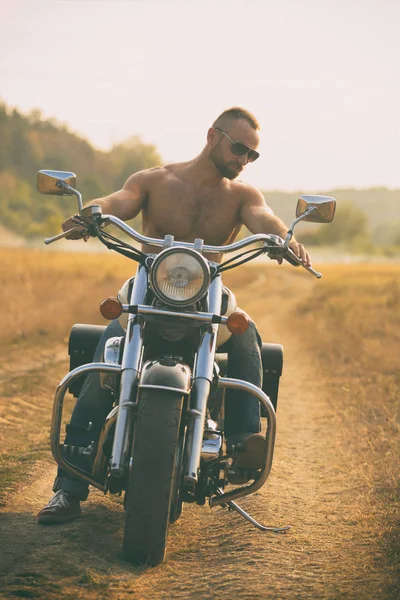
(324, 208)
(47, 182)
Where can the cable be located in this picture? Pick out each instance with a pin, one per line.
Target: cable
(119, 246)
(254, 252)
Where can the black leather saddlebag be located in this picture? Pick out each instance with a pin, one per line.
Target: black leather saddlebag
(272, 360)
(83, 340)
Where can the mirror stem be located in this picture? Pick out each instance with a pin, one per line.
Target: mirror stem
(65, 186)
(289, 234)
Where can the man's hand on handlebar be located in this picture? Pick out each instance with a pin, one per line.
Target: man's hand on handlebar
(301, 252)
(81, 233)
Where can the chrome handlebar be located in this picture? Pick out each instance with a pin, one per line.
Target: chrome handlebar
(276, 243)
(205, 248)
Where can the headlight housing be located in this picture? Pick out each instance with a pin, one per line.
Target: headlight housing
(180, 276)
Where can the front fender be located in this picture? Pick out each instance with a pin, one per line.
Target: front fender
(166, 374)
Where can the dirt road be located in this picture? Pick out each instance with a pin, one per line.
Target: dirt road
(328, 553)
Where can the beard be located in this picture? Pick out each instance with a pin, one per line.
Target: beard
(228, 170)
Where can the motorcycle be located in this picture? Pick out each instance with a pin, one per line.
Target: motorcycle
(163, 442)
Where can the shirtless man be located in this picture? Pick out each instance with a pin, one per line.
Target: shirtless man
(200, 198)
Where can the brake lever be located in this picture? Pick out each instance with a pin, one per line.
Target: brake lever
(50, 240)
(291, 257)
(278, 251)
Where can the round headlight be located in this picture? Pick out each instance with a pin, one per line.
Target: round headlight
(179, 276)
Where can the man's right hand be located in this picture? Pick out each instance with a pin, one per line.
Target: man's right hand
(80, 233)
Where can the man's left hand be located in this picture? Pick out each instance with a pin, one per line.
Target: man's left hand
(301, 252)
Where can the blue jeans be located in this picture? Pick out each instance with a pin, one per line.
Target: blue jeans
(242, 410)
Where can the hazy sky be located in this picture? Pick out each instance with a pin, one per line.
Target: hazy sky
(322, 77)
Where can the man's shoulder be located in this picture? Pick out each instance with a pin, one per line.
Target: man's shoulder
(247, 192)
(177, 169)
(156, 173)
(147, 177)
(153, 178)
(165, 171)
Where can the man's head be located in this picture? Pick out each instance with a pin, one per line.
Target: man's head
(233, 140)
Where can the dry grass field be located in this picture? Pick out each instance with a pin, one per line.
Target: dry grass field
(351, 324)
(45, 292)
(336, 469)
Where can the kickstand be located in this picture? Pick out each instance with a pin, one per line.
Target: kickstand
(233, 506)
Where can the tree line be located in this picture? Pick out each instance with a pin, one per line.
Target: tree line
(365, 219)
(29, 143)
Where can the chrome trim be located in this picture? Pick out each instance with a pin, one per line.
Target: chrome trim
(207, 348)
(164, 387)
(194, 438)
(111, 350)
(130, 371)
(168, 241)
(55, 238)
(57, 416)
(259, 237)
(111, 356)
(189, 252)
(237, 384)
(198, 245)
(211, 447)
(203, 317)
(55, 183)
(292, 225)
(295, 258)
(325, 207)
(99, 468)
(89, 212)
(202, 379)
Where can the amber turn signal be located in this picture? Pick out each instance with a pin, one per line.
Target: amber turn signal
(237, 322)
(111, 308)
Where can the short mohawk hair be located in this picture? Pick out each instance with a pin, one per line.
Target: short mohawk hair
(236, 112)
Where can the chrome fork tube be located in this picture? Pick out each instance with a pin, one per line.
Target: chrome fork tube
(130, 370)
(202, 379)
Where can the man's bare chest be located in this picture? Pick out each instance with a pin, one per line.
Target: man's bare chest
(188, 213)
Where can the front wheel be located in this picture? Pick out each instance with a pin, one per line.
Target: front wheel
(151, 479)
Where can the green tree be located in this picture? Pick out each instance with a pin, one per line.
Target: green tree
(349, 229)
(133, 155)
(29, 143)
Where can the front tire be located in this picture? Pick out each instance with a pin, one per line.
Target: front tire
(149, 491)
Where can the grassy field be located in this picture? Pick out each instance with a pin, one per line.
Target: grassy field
(348, 322)
(46, 292)
(43, 294)
(351, 324)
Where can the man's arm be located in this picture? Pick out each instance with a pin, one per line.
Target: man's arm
(125, 204)
(259, 218)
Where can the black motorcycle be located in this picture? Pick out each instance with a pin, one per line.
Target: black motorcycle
(163, 441)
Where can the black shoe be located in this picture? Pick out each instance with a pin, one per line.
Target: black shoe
(247, 450)
(61, 508)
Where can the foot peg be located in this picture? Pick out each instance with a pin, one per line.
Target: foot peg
(233, 506)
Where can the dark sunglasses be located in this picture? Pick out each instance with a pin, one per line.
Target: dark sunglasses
(239, 149)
